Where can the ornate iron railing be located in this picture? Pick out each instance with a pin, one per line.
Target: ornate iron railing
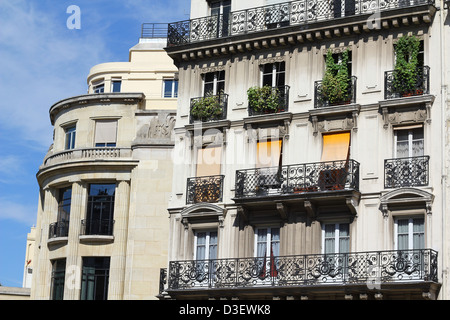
(396, 87)
(406, 172)
(97, 227)
(280, 15)
(204, 189)
(299, 178)
(321, 98)
(209, 108)
(58, 229)
(370, 268)
(272, 100)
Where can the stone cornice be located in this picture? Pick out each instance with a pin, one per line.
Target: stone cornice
(99, 98)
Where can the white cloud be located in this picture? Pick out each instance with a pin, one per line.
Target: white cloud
(18, 211)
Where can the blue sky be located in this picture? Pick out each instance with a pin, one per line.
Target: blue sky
(42, 62)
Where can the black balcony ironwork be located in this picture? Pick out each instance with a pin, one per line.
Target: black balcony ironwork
(266, 100)
(58, 229)
(321, 98)
(406, 172)
(97, 227)
(395, 86)
(209, 108)
(207, 189)
(293, 13)
(298, 178)
(370, 268)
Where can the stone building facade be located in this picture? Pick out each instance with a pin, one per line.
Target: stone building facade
(105, 183)
(284, 188)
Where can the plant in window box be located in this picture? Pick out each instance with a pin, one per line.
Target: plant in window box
(336, 81)
(406, 70)
(265, 99)
(207, 108)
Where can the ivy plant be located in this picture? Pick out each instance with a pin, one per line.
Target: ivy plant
(336, 81)
(406, 64)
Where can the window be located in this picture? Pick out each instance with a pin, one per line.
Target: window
(335, 238)
(267, 248)
(409, 141)
(221, 10)
(336, 146)
(410, 233)
(214, 83)
(100, 209)
(95, 278)
(209, 161)
(105, 133)
(57, 279)
(64, 202)
(70, 134)
(205, 245)
(116, 85)
(170, 88)
(269, 153)
(99, 87)
(273, 74)
(337, 57)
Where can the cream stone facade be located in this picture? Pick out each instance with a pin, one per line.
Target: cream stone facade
(353, 199)
(105, 183)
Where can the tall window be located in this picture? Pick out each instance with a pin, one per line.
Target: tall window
(95, 278)
(170, 88)
(64, 202)
(99, 87)
(335, 238)
(70, 134)
(100, 210)
(214, 83)
(410, 233)
(205, 245)
(273, 74)
(116, 85)
(221, 10)
(105, 133)
(57, 279)
(409, 142)
(267, 242)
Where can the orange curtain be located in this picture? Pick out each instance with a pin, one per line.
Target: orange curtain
(268, 153)
(209, 161)
(336, 146)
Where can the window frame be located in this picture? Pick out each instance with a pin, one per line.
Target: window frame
(58, 276)
(410, 140)
(337, 237)
(410, 231)
(207, 244)
(98, 87)
(101, 267)
(110, 144)
(114, 81)
(70, 133)
(174, 88)
(218, 83)
(269, 241)
(275, 74)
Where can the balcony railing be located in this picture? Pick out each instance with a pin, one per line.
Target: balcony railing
(297, 179)
(406, 172)
(322, 98)
(58, 229)
(97, 227)
(397, 86)
(370, 268)
(293, 13)
(154, 30)
(208, 189)
(209, 108)
(267, 100)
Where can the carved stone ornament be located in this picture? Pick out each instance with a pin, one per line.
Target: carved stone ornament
(155, 128)
(271, 60)
(212, 69)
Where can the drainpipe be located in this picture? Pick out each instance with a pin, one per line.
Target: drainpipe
(443, 141)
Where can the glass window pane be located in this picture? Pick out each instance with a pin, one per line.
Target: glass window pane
(402, 149)
(168, 88)
(116, 85)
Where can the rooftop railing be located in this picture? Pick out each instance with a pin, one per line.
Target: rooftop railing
(154, 30)
(274, 16)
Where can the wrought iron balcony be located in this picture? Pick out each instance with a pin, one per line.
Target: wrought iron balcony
(58, 229)
(366, 268)
(209, 108)
(204, 189)
(97, 227)
(297, 179)
(288, 14)
(397, 85)
(267, 100)
(324, 98)
(406, 172)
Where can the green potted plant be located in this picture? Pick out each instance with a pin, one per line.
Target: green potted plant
(336, 81)
(406, 65)
(207, 108)
(265, 99)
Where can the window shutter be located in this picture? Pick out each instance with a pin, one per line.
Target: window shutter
(106, 131)
(208, 161)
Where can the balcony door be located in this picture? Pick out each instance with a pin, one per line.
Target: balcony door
(334, 165)
(408, 141)
(274, 74)
(205, 254)
(220, 11)
(208, 170)
(268, 164)
(267, 249)
(335, 247)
